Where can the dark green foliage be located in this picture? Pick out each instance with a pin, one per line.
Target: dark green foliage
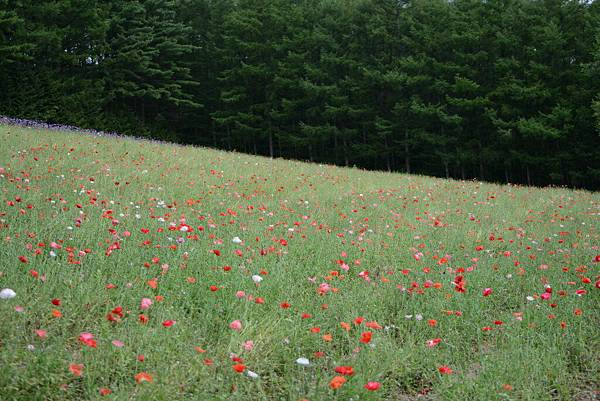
(503, 90)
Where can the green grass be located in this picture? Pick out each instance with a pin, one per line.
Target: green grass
(373, 221)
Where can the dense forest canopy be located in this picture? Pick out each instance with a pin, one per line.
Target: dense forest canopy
(505, 90)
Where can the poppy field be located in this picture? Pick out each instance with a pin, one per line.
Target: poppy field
(134, 270)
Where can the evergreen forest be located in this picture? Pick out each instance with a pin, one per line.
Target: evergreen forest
(497, 90)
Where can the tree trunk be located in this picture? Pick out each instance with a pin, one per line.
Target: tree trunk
(528, 175)
(335, 148)
(345, 150)
(481, 169)
(279, 145)
(214, 133)
(270, 141)
(228, 137)
(387, 153)
(406, 153)
(446, 168)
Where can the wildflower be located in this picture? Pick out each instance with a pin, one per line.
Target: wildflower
(445, 370)
(105, 391)
(76, 369)
(337, 382)
(365, 337)
(235, 325)
(344, 370)
(372, 386)
(145, 303)
(303, 361)
(7, 293)
(88, 339)
(143, 377)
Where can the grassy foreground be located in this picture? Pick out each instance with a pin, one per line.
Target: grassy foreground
(131, 282)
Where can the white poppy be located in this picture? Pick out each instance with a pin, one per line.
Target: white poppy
(303, 361)
(7, 293)
(236, 240)
(256, 278)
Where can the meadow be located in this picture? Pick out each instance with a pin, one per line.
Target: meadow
(133, 270)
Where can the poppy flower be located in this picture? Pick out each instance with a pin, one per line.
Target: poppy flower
(143, 377)
(168, 323)
(88, 339)
(344, 370)
(238, 367)
(76, 369)
(235, 325)
(372, 386)
(445, 370)
(303, 361)
(365, 337)
(105, 391)
(373, 325)
(7, 293)
(337, 382)
(145, 303)
(487, 292)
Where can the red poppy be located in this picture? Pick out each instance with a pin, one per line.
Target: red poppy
(344, 370)
(337, 382)
(372, 386)
(445, 370)
(143, 377)
(366, 337)
(76, 369)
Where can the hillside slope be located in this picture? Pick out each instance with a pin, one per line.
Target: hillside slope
(161, 272)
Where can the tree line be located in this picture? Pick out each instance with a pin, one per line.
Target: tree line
(498, 90)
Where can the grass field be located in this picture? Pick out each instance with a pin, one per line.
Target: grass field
(159, 272)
